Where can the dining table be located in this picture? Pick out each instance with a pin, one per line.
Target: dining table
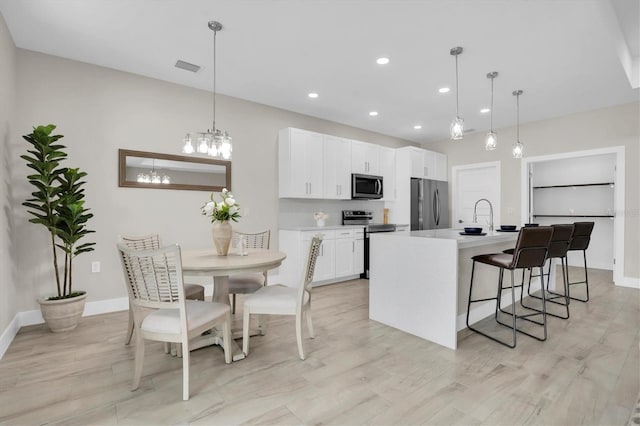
(205, 262)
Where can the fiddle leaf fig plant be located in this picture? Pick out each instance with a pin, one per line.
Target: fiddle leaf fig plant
(57, 203)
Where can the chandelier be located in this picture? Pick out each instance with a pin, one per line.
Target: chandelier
(213, 142)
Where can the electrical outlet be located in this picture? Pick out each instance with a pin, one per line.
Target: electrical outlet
(95, 266)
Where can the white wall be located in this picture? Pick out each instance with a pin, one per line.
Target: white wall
(614, 126)
(99, 110)
(7, 128)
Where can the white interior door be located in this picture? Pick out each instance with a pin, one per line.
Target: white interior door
(471, 183)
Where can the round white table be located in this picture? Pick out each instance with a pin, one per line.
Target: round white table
(206, 262)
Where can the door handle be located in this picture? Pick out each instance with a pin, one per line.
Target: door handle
(434, 209)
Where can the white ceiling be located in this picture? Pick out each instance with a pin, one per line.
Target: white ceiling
(563, 53)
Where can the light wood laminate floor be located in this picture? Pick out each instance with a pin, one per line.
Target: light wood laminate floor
(357, 371)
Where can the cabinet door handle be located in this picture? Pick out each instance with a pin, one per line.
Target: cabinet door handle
(353, 246)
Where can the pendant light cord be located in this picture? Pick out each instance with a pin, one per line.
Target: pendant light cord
(215, 33)
(457, 112)
(491, 118)
(518, 118)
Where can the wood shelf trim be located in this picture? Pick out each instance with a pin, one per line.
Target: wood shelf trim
(576, 184)
(572, 215)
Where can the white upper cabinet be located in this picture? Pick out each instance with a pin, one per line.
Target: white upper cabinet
(365, 158)
(337, 168)
(427, 164)
(300, 164)
(388, 172)
(440, 169)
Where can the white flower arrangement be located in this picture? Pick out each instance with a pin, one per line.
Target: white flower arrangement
(227, 209)
(320, 216)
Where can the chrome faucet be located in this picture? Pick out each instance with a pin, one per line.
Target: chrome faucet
(475, 213)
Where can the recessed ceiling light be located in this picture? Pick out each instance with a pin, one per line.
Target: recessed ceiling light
(313, 95)
(444, 90)
(382, 61)
(417, 127)
(373, 113)
(484, 110)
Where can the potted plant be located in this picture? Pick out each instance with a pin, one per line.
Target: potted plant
(57, 203)
(221, 213)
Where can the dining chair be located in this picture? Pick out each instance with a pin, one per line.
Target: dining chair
(160, 310)
(283, 300)
(249, 282)
(147, 242)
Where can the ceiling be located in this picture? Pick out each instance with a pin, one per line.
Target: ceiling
(564, 54)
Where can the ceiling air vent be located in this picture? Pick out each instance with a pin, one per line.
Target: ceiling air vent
(187, 66)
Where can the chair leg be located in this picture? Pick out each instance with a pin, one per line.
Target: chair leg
(586, 279)
(299, 334)
(309, 323)
(233, 303)
(167, 347)
(245, 331)
(226, 335)
(263, 320)
(139, 359)
(185, 370)
(130, 328)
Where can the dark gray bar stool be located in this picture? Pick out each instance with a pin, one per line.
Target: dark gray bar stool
(580, 241)
(530, 252)
(558, 248)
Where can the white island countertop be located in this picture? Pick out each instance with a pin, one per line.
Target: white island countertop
(466, 241)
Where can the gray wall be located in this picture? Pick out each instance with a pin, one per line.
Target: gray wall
(99, 110)
(8, 285)
(614, 126)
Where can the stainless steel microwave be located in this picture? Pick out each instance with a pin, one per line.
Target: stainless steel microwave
(366, 187)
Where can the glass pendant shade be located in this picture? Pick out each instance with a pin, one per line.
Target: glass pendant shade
(457, 128)
(491, 142)
(518, 149)
(188, 146)
(166, 180)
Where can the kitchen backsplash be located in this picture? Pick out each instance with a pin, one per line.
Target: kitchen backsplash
(294, 213)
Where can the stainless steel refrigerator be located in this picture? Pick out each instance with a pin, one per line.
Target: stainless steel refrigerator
(429, 204)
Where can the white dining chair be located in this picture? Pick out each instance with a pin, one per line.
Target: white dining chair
(282, 300)
(160, 310)
(148, 242)
(250, 282)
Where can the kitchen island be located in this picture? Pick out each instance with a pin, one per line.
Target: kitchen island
(419, 282)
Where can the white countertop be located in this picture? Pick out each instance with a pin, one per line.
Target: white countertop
(319, 228)
(464, 241)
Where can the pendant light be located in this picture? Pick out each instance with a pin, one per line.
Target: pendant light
(518, 147)
(213, 142)
(492, 138)
(457, 124)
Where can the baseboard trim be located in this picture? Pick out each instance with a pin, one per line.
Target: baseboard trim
(25, 318)
(629, 282)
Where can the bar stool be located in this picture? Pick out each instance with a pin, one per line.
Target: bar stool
(530, 252)
(580, 241)
(558, 247)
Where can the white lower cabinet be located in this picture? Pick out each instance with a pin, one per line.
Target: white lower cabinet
(341, 255)
(358, 252)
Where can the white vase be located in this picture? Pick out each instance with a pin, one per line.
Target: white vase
(320, 222)
(222, 233)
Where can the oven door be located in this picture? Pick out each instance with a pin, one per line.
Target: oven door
(366, 187)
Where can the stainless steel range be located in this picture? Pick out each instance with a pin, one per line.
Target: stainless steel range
(363, 217)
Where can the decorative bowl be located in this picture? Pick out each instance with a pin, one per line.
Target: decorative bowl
(473, 230)
(507, 227)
